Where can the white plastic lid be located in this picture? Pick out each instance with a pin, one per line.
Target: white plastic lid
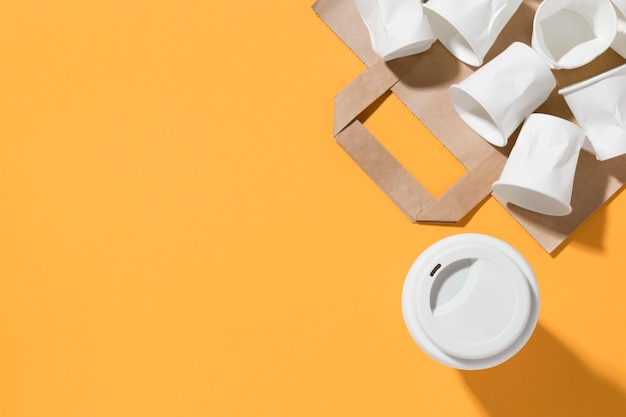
(470, 301)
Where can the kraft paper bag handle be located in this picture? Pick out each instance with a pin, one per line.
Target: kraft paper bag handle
(385, 170)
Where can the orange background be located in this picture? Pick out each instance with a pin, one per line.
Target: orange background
(181, 236)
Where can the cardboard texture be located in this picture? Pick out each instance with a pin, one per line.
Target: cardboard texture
(421, 82)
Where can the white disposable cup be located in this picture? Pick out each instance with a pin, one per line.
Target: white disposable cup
(468, 29)
(619, 43)
(397, 28)
(497, 97)
(571, 33)
(599, 107)
(470, 301)
(539, 174)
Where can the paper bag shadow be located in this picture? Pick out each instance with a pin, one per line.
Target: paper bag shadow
(545, 379)
(435, 67)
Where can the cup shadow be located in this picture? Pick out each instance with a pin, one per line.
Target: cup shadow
(545, 379)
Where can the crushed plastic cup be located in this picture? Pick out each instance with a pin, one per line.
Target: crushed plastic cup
(468, 29)
(571, 33)
(397, 28)
(619, 43)
(599, 107)
(539, 174)
(498, 96)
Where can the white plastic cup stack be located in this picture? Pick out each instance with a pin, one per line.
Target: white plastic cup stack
(571, 33)
(539, 174)
(397, 28)
(497, 97)
(468, 29)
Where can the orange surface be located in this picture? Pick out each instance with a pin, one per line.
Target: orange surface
(181, 236)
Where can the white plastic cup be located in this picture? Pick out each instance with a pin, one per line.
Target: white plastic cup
(599, 107)
(468, 29)
(470, 301)
(539, 174)
(497, 97)
(397, 28)
(571, 33)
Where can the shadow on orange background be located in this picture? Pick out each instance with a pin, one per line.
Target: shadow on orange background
(545, 379)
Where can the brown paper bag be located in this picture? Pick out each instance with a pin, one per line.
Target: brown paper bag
(421, 82)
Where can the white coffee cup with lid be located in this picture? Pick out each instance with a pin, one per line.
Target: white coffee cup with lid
(470, 301)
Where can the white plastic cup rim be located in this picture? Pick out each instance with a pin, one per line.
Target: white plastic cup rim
(532, 198)
(583, 59)
(412, 49)
(489, 129)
